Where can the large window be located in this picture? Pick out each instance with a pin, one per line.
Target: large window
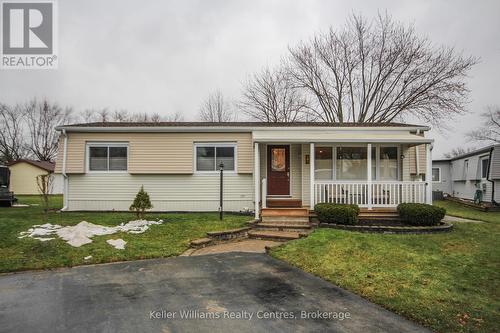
(107, 157)
(210, 156)
(436, 174)
(323, 163)
(388, 163)
(466, 169)
(351, 163)
(485, 162)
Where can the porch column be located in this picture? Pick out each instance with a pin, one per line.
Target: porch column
(428, 174)
(311, 176)
(256, 175)
(369, 176)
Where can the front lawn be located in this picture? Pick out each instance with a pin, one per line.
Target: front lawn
(448, 282)
(169, 239)
(455, 209)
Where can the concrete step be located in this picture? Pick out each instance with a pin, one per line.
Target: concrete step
(285, 202)
(286, 219)
(285, 212)
(283, 227)
(274, 235)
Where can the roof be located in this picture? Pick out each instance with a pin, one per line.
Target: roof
(229, 126)
(468, 154)
(235, 124)
(46, 165)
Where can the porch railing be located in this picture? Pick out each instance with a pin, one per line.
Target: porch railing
(375, 194)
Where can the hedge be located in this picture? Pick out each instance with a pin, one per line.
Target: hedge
(337, 213)
(420, 214)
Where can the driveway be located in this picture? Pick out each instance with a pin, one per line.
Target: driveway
(140, 296)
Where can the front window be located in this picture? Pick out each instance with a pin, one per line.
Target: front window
(323, 163)
(107, 157)
(210, 156)
(436, 174)
(485, 162)
(466, 169)
(351, 163)
(388, 163)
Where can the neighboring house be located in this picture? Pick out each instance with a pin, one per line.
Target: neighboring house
(373, 165)
(23, 175)
(463, 175)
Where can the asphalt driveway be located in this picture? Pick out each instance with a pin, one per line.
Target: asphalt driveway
(230, 292)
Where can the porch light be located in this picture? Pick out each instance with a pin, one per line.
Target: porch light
(402, 156)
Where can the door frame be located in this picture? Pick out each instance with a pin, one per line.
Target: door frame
(268, 161)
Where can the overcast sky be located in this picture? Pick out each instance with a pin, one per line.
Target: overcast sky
(167, 56)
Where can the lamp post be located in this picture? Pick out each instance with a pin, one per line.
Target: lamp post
(221, 168)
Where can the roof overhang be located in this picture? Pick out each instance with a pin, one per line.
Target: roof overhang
(240, 129)
(332, 136)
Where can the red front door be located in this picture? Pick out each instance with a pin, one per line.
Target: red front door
(278, 170)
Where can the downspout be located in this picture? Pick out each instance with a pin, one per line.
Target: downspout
(490, 180)
(65, 176)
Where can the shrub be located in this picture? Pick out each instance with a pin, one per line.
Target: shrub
(337, 213)
(141, 203)
(420, 214)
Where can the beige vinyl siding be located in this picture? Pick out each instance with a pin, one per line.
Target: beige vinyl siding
(197, 192)
(157, 153)
(23, 178)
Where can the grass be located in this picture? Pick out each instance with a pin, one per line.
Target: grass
(448, 282)
(456, 209)
(169, 239)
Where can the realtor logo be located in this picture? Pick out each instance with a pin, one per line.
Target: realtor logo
(28, 35)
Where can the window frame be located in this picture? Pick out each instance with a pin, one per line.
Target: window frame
(439, 178)
(465, 173)
(234, 145)
(89, 145)
(481, 160)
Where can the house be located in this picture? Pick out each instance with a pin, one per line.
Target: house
(463, 175)
(279, 164)
(23, 175)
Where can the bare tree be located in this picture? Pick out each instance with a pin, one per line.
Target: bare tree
(88, 116)
(45, 183)
(120, 115)
(490, 129)
(155, 118)
(459, 151)
(378, 71)
(270, 96)
(174, 117)
(12, 130)
(216, 109)
(103, 115)
(42, 117)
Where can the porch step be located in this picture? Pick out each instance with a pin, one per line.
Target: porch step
(304, 212)
(284, 203)
(274, 235)
(282, 227)
(286, 219)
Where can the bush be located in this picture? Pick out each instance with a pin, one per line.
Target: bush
(337, 213)
(420, 214)
(141, 203)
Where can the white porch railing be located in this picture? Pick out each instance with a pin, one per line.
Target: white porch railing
(382, 194)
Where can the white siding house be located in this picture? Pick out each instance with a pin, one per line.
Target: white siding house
(463, 175)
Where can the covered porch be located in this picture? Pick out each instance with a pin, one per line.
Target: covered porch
(380, 172)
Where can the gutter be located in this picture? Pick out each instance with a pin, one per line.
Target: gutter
(490, 180)
(66, 182)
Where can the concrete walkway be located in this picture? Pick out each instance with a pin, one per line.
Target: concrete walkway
(230, 292)
(247, 245)
(453, 219)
